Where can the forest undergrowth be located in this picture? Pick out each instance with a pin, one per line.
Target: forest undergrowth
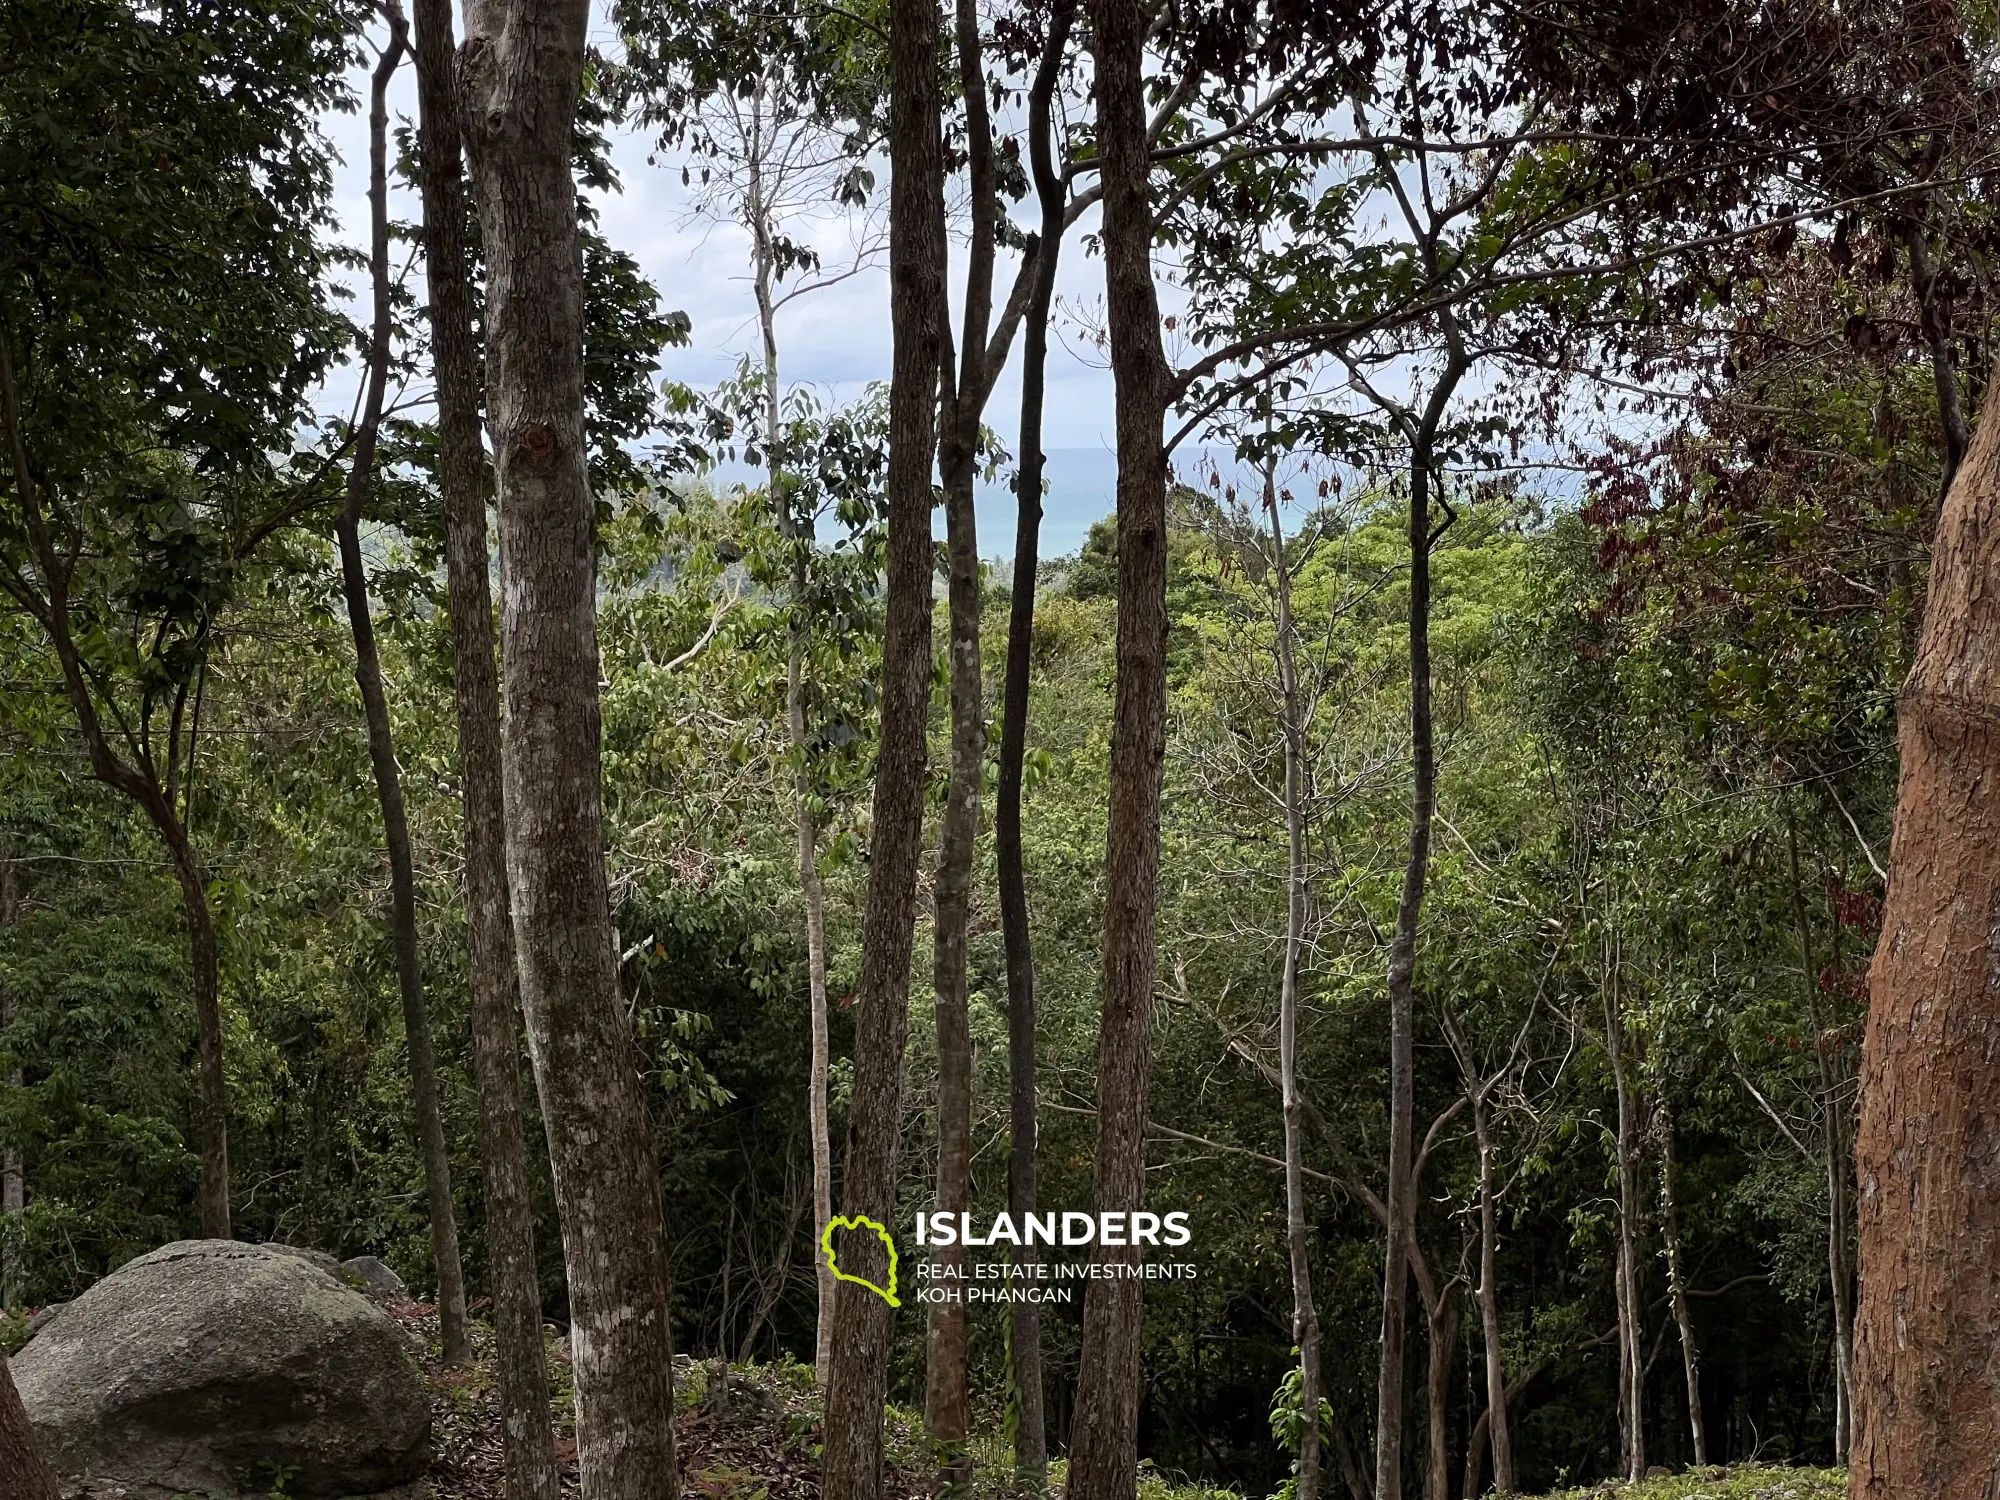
(764, 1443)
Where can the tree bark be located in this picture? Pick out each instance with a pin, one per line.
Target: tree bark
(764, 275)
(1834, 1159)
(1927, 1386)
(521, 73)
(1305, 1316)
(857, 1383)
(1104, 1436)
(24, 1473)
(1031, 1451)
(1488, 1298)
(137, 779)
(381, 746)
(1398, 1200)
(1441, 1324)
(13, 1172)
(1677, 1287)
(947, 1411)
(1631, 1310)
(527, 1434)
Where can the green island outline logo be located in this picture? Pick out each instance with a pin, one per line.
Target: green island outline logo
(859, 1221)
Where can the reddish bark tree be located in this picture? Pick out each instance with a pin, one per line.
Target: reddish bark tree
(1926, 1376)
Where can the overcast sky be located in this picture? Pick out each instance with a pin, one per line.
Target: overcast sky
(835, 339)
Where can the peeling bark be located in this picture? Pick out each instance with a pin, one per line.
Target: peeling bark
(1927, 1379)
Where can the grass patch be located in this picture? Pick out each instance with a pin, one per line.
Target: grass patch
(1742, 1482)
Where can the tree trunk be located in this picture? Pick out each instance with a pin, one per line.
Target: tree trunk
(1488, 1298)
(1927, 1388)
(1104, 1436)
(1834, 1156)
(1305, 1317)
(1031, 1450)
(1398, 1202)
(800, 542)
(947, 1413)
(527, 1435)
(858, 1381)
(1631, 1310)
(1677, 1287)
(521, 75)
(381, 747)
(24, 1473)
(13, 1174)
(1441, 1319)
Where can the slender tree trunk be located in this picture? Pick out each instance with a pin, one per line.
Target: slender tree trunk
(1031, 1433)
(381, 747)
(1031, 1450)
(522, 72)
(1631, 1311)
(13, 1174)
(1834, 1158)
(1476, 1444)
(1422, 434)
(1488, 1298)
(1926, 1387)
(1441, 1320)
(858, 1380)
(1677, 1286)
(24, 1473)
(1305, 1316)
(527, 1434)
(1104, 1434)
(800, 542)
(947, 1412)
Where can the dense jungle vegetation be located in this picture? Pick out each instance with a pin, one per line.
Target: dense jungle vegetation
(1627, 364)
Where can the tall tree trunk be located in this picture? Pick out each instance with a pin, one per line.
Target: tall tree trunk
(522, 72)
(1834, 1160)
(1631, 1310)
(1422, 435)
(381, 747)
(1441, 1324)
(1488, 1298)
(24, 1473)
(947, 1412)
(858, 1381)
(1031, 1450)
(527, 1434)
(1926, 1387)
(799, 541)
(13, 1173)
(1104, 1435)
(1670, 1231)
(1305, 1316)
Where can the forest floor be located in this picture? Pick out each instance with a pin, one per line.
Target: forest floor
(762, 1446)
(1742, 1482)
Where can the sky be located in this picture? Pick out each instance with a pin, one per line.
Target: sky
(836, 340)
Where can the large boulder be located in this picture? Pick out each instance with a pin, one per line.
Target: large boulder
(218, 1368)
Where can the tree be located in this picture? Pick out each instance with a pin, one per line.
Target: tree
(1104, 1444)
(162, 318)
(381, 745)
(27, 1473)
(529, 1438)
(856, 1387)
(521, 76)
(1925, 1398)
